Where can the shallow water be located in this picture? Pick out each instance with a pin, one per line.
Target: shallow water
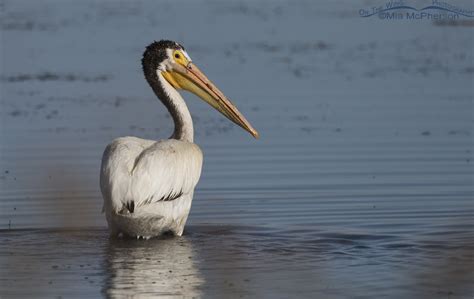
(360, 186)
(222, 261)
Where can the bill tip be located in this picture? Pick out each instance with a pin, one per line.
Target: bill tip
(255, 135)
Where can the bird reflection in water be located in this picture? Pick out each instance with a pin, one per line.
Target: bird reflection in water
(158, 267)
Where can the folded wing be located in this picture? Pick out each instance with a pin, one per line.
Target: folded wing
(136, 172)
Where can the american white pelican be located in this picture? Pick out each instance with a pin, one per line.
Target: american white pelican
(148, 185)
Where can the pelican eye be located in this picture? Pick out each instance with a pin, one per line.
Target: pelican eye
(177, 56)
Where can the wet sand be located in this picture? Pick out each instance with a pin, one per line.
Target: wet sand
(360, 186)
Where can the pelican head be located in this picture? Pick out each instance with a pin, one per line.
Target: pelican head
(170, 60)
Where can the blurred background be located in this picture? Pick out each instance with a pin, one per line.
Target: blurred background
(361, 184)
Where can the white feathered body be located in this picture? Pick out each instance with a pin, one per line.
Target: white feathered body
(148, 185)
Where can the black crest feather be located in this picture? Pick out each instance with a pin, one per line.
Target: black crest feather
(155, 53)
